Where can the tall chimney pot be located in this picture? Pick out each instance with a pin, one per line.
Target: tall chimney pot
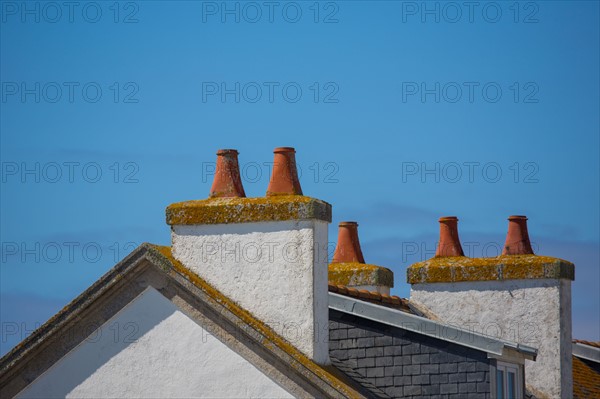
(517, 238)
(449, 244)
(227, 181)
(348, 245)
(284, 178)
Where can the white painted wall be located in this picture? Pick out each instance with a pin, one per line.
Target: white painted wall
(150, 349)
(532, 312)
(275, 270)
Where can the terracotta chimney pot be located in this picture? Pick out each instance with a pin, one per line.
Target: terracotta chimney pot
(449, 244)
(348, 245)
(284, 178)
(517, 238)
(227, 181)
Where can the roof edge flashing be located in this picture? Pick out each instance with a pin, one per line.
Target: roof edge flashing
(586, 352)
(430, 328)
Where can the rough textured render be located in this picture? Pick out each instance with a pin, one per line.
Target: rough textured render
(534, 312)
(404, 364)
(275, 270)
(149, 350)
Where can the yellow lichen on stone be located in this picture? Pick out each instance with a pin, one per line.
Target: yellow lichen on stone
(441, 273)
(505, 267)
(516, 271)
(247, 210)
(354, 274)
(473, 273)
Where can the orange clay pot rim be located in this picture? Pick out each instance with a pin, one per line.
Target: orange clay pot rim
(284, 149)
(227, 151)
(448, 218)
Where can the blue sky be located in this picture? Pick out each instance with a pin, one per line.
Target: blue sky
(400, 113)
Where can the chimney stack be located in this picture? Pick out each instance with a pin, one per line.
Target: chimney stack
(525, 299)
(227, 181)
(517, 238)
(261, 253)
(449, 244)
(348, 265)
(284, 178)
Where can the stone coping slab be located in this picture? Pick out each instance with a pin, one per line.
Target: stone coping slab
(248, 210)
(505, 267)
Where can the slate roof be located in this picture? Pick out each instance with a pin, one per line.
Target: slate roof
(586, 372)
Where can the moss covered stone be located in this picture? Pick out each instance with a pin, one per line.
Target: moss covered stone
(354, 274)
(248, 210)
(505, 267)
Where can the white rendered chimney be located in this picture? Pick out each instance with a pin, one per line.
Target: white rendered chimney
(267, 254)
(517, 296)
